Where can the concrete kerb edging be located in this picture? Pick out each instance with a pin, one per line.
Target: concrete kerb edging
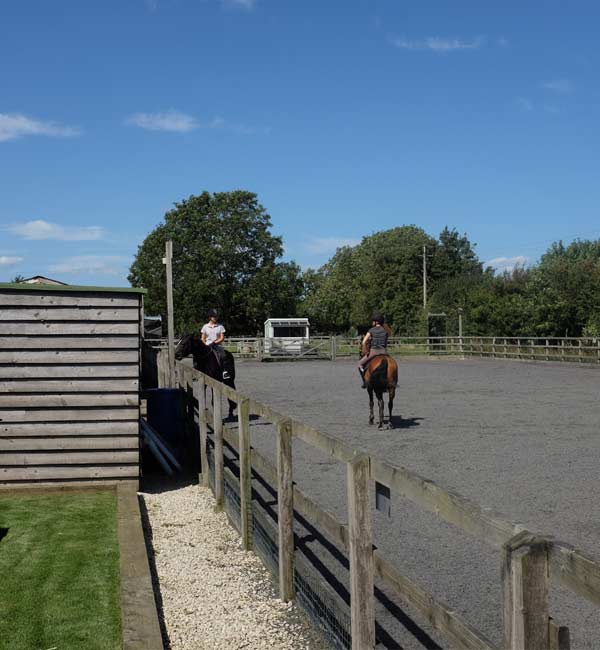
(140, 626)
(141, 629)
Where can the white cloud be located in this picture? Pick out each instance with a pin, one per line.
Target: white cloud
(16, 125)
(560, 86)
(437, 44)
(91, 265)
(507, 263)
(9, 260)
(524, 104)
(320, 245)
(240, 4)
(164, 121)
(40, 229)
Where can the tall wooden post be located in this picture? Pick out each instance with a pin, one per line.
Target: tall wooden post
(285, 507)
(245, 473)
(218, 460)
(362, 606)
(168, 261)
(200, 395)
(525, 593)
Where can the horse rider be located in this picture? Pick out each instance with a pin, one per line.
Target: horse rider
(213, 335)
(377, 339)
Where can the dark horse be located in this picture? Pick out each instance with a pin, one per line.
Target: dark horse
(381, 376)
(206, 361)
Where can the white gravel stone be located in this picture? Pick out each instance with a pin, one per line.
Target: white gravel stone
(214, 594)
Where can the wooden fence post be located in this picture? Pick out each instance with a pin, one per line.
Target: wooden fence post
(218, 459)
(580, 352)
(285, 509)
(168, 261)
(200, 395)
(243, 409)
(362, 607)
(333, 348)
(525, 583)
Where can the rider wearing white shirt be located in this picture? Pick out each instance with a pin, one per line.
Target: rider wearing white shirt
(213, 335)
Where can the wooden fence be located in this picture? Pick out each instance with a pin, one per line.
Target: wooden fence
(578, 350)
(529, 563)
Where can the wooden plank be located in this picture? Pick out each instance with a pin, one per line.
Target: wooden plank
(285, 510)
(15, 401)
(525, 593)
(69, 443)
(442, 617)
(245, 474)
(68, 457)
(42, 315)
(218, 449)
(362, 599)
(168, 261)
(70, 356)
(70, 386)
(334, 447)
(60, 473)
(559, 636)
(324, 521)
(94, 371)
(71, 329)
(199, 392)
(69, 415)
(45, 429)
(68, 342)
(482, 523)
(39, 299)
(572, 569)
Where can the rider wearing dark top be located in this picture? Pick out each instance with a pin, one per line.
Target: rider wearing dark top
(378, 336)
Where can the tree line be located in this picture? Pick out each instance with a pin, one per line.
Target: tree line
(225, 256)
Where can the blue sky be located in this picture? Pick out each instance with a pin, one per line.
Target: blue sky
(344, 117)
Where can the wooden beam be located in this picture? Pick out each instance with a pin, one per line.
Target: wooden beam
(45, 429)
(575, 571)
(68, 342)
(170, 326)
(29, 385)
(41, 315)
(69, 356)
(482, 523)
(199, 391)
(285, 510)
(94, 371)
(218, 449)
(441, 616)
(69, 443)
(245, 473)
(68, 400)
(68, 457)
(38, 299)
(68, 415)
(362, 605)
(72, 328)
(525, 593)
(34, 473)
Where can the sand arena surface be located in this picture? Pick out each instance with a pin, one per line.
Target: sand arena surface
(519, 437)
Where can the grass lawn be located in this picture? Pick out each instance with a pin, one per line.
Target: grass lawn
(59, 568)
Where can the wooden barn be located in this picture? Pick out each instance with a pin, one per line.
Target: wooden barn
(69, 384)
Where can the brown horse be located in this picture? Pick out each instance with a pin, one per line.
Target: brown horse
(381, 376)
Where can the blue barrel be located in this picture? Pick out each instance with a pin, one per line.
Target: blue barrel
(165, 414)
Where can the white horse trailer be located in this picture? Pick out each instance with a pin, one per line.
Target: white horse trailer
(286, 336)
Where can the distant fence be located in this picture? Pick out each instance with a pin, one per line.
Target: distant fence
(568, 349)
(233, 469)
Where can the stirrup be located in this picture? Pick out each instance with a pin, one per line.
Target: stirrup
(226, 375)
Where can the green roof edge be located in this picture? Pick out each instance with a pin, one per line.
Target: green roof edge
(20, 286)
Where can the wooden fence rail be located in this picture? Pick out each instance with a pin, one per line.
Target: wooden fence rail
(568, 349)
(529, 562)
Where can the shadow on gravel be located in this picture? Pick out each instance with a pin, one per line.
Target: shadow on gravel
(155, 580)
(398, 422)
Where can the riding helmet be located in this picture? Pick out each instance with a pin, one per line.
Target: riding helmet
(379, 318)
(212, 312)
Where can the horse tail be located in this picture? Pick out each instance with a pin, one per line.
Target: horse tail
(380, 372)
(392, 373)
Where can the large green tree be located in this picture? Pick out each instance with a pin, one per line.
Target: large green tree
(224, 256)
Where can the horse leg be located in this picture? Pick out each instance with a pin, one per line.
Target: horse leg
(232, 407)
(371, 416)
(381, 405)
(391, 395)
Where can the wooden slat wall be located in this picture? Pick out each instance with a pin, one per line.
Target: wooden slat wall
(69, 386)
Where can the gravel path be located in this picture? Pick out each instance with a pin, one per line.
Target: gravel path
(214, 595)
(518, 437)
